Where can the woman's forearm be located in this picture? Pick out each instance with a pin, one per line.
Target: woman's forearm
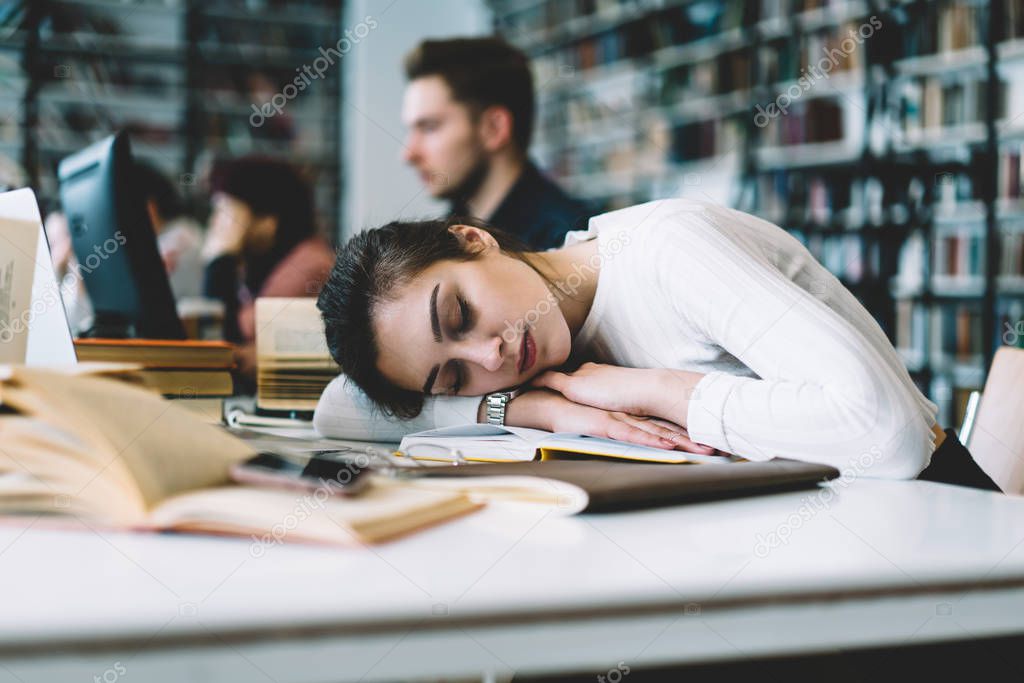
(670, 393)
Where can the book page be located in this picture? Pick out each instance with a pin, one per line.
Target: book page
(582, 444)
(124, 434)
(388, 509)
(47, 470)
(49, 336)
(290, 329)
(18, 242)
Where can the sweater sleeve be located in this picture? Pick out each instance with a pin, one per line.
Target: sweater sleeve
(344, 412)
(829, 386)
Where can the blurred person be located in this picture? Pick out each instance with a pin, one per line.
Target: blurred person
(76, 301)
(261, 242)
(469, 112)
(179, 236)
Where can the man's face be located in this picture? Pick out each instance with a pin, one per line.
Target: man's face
(443, 142)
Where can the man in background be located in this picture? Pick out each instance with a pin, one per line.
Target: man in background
(469, 111)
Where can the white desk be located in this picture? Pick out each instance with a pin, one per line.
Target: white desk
(515, 589)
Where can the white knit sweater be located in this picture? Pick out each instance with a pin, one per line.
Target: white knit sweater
(795, 366)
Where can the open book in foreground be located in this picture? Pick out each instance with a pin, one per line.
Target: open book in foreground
(119, 456)
(489, 443)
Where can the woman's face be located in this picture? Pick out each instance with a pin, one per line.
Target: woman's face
(470, 327)
(232, 218)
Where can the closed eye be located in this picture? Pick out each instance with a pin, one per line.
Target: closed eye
(465, 316)
(460, 378)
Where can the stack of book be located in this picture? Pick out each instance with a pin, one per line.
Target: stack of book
(197, 373)
(959, 259)
(293, 365)
(1010, 165)
(932, 103)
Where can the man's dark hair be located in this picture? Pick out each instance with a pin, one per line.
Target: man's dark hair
(367, 272)
(481, 72)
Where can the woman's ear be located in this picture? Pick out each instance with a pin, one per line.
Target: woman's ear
(473, 239)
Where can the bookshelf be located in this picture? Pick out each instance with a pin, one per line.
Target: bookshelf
(185, 77)
(887, 136)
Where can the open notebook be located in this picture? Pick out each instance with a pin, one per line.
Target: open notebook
(489, 443)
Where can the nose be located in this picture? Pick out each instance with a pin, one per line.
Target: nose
(486, 353)
(409, 153)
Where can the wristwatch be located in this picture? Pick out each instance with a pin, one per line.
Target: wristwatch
(496, 403)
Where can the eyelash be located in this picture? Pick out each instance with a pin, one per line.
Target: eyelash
(459, 379)
(465, 315)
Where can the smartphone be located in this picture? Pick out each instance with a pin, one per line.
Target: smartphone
(337, 477)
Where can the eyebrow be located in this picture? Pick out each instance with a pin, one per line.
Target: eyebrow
(435, 326)
(435, 323)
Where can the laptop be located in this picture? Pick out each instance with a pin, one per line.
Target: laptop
(34, 328)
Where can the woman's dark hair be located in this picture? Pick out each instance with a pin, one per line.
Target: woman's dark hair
(269, 187)
(368, 270)
(151, 183)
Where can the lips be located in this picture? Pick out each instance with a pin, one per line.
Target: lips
(527, 353)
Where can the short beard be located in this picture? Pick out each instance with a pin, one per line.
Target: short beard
(471, 182)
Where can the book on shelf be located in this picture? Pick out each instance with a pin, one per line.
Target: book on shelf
(490, 443)
(956, 334)
(942, 334)
(936, 28)
(1011, 256)
(1010, 179)
(932, 103)
(73, 448)
(293, 364)
(911, 331)
(805, 122)
(959, 255)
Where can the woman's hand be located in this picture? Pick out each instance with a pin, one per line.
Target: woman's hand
(227, 229)
(543, 409)
(638, 391)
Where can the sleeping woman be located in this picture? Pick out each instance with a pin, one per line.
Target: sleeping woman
(676, 324)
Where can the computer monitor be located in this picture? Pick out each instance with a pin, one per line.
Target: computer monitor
(115, 244)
